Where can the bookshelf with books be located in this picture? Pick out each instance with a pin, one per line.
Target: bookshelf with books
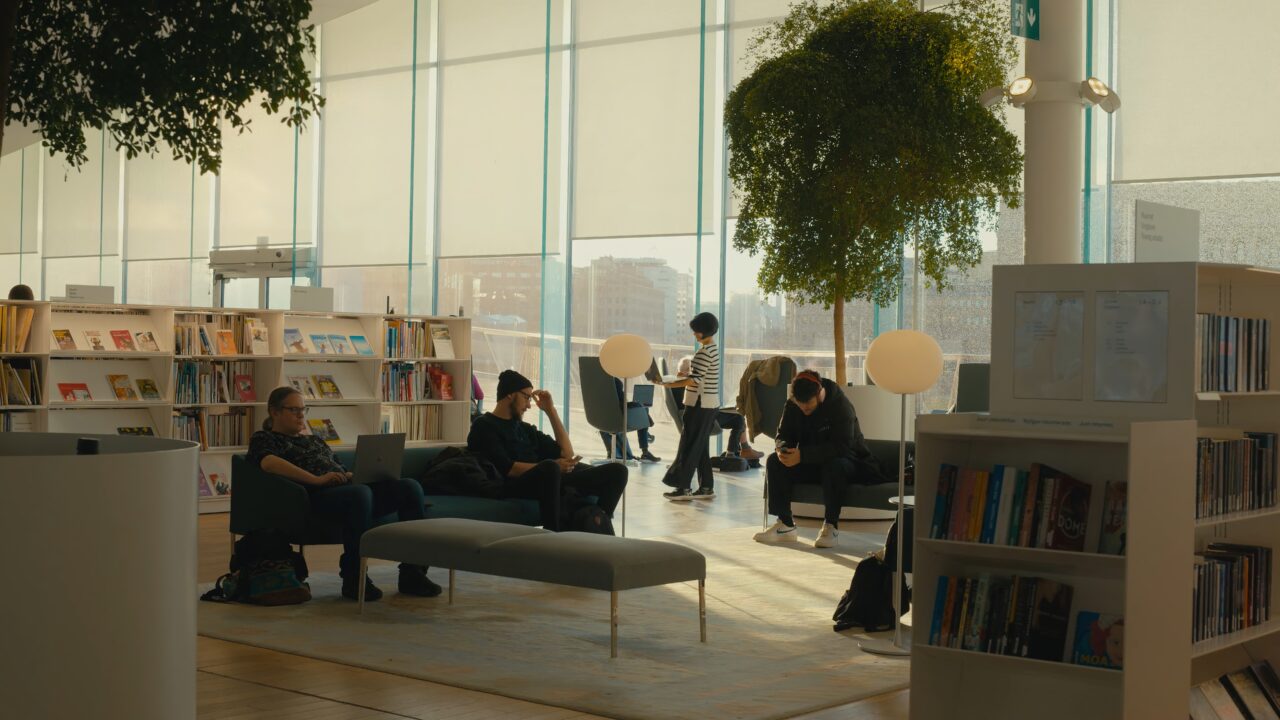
(426, 378)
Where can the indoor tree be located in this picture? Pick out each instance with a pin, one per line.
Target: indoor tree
(860, 131)
(152, 71)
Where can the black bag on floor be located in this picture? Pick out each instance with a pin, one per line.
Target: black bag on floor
(265, 570)
(868, 603)
(730, 463)
(580, 514)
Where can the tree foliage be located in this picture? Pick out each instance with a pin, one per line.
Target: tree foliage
(859, 131)
(156, 71)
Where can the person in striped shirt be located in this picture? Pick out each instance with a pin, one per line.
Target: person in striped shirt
(701, 403)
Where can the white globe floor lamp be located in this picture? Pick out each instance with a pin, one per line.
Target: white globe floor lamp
(625, 356)
(904, 362)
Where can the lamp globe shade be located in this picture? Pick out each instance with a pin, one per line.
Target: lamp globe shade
(626, 355)
(904, 361)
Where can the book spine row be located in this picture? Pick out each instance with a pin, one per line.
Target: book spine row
(15, 327)
(189, 425)
(17, 422)
(1235, 475)
(1232, 589)
(406, 339)
(417, 423)
(1018, 616)
(230, 429)
(414, 381)
(20, 383)
(1234, 353)
(207, 382)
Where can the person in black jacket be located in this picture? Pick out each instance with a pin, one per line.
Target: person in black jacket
(819, 441)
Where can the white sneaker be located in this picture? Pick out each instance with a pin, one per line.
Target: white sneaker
(828, 537)
(778, 532)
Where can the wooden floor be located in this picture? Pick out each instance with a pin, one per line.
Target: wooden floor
(240, 682)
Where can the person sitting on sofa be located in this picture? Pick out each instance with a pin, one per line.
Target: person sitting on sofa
(819, 441)
(535, 464)
(281, 448)
(731, 421)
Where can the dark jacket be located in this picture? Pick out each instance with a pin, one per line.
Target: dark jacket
(831, 431)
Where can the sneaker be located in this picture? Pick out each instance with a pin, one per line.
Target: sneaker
(649, 457)
(828, 537)
(414, 581)
(351, 589)
(778, 532)
(703, 493)
(681, 495)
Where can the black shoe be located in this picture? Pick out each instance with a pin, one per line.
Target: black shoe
(351, 589)
(649, 457)
(414, 581)
(681, 495)
(703, 493)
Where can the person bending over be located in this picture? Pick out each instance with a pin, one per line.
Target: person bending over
(701, 403)
(535, 464)
(819, 441)
(280, 448)
(731, 421)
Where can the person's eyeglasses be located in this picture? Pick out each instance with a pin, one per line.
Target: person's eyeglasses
(527, 395)
(299, 411)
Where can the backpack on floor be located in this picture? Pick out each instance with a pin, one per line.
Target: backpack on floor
(579, 514)
(731, 463)
(265, 570)
(868, 603)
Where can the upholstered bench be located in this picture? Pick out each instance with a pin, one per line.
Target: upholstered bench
(599, 562)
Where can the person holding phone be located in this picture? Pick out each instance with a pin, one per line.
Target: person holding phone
(818, 441)
(536, 465)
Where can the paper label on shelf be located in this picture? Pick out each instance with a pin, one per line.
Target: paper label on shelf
(314, 299)
(1048, 345)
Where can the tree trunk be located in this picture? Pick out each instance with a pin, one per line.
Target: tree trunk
(8, 20)
(837, 314)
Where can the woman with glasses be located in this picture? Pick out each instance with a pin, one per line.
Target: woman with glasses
(281, 448)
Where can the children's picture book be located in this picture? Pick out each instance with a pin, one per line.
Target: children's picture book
(219, 483)
(146, 341)
(361, 345)
(202, 483)
(64, 340)
(446, 386)
(207, 343)
(123, 340)
(441, 343)
(143, 430)
(341, 345)
(74, 392)
(256, 334)
(327, 388)
(121, 387)
(147, 387)
(244, 389)
(1099, 640)
(227, 343)
(294, 342)
(94, 338)
(321, 344)
(302, 384)
(323, 428)
(1114, 519)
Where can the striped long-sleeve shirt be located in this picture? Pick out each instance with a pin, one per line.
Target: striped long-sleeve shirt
(705, 373)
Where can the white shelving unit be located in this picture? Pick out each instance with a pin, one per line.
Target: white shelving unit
(359, 411)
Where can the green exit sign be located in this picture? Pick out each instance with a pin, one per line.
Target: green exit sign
(1025, 17)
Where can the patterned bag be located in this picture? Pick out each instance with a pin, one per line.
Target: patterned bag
(265, 570)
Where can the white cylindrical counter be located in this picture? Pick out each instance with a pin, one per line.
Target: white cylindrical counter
(98, 598)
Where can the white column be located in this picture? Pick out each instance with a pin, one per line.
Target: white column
(1055, 138)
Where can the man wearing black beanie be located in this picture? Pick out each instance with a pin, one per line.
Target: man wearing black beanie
(535, 464)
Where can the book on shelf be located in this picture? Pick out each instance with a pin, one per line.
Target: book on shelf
(208, 340)
(1115, 518)
(146, 341)
(341, 344)
(441, 342)
(94, 338)
(302, 384)
(1231, 589)
(245, 391)
(324, 429)
(221, 487)
(144, 430)
(1019, 616)
(294, 342)
(1235, 471)
(446, 386)
(1233, 353)
(226, 343)
(147, 389)
(123, 340)
(321, 344)
(1099, 640)
(405, 339)
(20, 383)
(64, 340)
(1249, 692)
(1265, 675)
(1068, 514)
(1042, 507)
(121, 387)
(74, 392)
(326, 387)
(361, 345)
(202, 483)
(421, 422)
(15, 327)
(17, 422)
(256, 341)
(230, 427)
(212, 484)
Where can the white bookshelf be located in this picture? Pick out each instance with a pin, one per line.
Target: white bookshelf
(359, 411)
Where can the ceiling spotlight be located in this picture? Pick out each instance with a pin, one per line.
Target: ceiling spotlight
(1021, 91)
(1096, 92)
(992, 96)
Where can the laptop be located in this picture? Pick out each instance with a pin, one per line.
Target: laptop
(642, 395)
(378, 457)
(655, 376)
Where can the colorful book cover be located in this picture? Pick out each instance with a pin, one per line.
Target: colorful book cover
(147, 387)
(361, 345)
(146, 341)
(939, 607)
(143, 430)
(441, 343)
(202, 483)
(446, 386)
(294, 342)
(123, 340)
(1068, 518)
(258, 341)
(221, 487)
(327, 388)
(208, 345)
(121, 387)
(1115, 510)
(227, 343)
(244, 389)
(94, 338)
(302, 384)
(64, 340)
(323, 428)
(341, 345)
(321, 344)
(74, 392)
(1099, 640)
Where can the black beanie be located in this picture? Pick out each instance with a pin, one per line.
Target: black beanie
(510, 381)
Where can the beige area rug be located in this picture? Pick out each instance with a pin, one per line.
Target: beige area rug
(771, 652)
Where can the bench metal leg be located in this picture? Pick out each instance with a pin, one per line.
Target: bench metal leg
(702, 608)
(451, 583)
(624, 511)
(613, 624)
(364, 570)
(764, 513)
